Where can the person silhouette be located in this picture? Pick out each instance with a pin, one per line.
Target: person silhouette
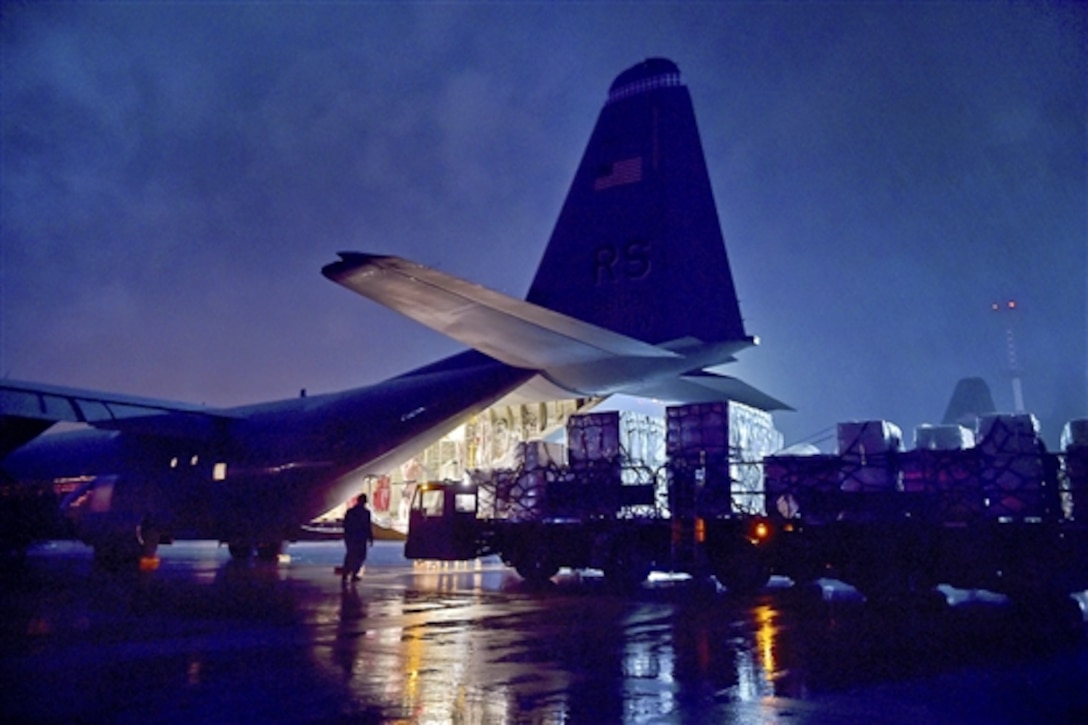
(358, 536)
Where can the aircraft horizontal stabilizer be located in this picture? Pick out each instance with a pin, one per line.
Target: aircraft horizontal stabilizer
(510, 330)
(706, 387)
(725, 386)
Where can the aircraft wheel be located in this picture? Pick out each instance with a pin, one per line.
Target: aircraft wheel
(270, 552)
(117, 554)
(127, 550)
(147, 540)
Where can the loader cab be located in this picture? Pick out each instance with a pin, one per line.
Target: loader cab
(442, 522)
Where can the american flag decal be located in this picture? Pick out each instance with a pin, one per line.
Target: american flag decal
(628, 171)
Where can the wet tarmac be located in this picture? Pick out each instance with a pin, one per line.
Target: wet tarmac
(200, 638)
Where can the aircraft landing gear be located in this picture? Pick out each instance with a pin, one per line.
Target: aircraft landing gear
(269, 551)
(242, 551)
(127, 549)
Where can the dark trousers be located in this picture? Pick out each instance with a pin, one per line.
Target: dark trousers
(354, 559)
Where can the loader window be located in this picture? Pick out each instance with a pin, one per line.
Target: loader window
(465, 503)
(429, 501)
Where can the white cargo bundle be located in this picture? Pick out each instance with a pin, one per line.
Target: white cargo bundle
(1012, 470)
(698, 429)
(950, 437)
(752, 433)
(803, 486)
(731, 439)
(513, 495)
(867, 448)
(942, 484)
(532, 455)
(752, 437)
(1074, 493)
(1008, 433)
(869, 437)
(517, 493)
(593, 438)
(624, 437)
(1075, 434)
(643, 438)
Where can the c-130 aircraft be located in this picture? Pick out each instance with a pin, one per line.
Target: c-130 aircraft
(634, 295)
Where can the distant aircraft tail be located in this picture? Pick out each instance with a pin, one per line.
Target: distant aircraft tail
(970, 399)
(638, 247)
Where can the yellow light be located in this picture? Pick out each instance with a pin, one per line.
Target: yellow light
(765, 639)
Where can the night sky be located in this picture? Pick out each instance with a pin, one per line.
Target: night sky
(174, 175)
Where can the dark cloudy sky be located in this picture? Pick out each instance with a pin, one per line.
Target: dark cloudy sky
(174, 175)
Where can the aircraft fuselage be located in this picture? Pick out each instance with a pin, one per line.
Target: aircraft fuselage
(257, 476)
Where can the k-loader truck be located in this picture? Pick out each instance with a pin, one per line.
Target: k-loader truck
(707, 492)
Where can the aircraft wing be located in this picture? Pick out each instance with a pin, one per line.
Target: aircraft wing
(510, 330)
(28, 409)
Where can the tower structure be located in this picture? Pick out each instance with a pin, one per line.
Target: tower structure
(1008, 310)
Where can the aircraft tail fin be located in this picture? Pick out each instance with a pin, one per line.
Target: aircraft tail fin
(634, 293)
(638, 248)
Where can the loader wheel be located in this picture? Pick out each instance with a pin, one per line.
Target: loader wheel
(627, 567)
(1051, 615)
(536, 566)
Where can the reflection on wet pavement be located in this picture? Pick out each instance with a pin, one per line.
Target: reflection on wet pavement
(201, 638)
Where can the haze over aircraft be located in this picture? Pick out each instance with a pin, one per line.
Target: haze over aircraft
(634, 295)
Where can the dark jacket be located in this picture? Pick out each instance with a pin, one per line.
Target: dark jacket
(357, 531)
